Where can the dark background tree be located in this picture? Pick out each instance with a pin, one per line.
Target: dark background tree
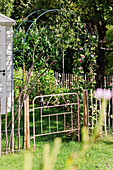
(97, 15)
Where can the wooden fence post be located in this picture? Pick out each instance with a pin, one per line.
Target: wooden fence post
(85, 109)
(27, 124)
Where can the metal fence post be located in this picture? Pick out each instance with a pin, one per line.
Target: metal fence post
(27, 124)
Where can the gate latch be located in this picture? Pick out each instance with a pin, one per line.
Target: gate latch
(3, 71)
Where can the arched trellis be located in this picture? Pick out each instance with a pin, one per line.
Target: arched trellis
(32, 22)
(39, 14)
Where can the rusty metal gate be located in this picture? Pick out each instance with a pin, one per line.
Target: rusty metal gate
(60, 109)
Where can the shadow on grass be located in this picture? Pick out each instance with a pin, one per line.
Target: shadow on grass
(108, 142)
(50, 138)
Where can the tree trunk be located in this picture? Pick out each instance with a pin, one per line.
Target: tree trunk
(101, 57)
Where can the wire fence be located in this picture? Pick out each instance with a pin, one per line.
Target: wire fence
(15, 128)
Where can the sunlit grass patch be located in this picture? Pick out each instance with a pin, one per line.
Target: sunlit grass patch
(99, 156)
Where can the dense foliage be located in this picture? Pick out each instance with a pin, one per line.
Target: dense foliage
(6, 7)
(63, 37)
(96, 14)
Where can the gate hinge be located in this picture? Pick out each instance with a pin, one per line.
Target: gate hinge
(3, 71)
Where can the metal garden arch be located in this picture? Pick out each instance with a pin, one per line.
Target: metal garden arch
(22, 50)
(32, 22)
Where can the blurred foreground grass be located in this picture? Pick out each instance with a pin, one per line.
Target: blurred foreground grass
(99, 156)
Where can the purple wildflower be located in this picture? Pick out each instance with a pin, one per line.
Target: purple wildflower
(103, 93)
(94, 36)
(92, 55)
(82, 57)
(91, 80)
(81, 48)
(80, 68)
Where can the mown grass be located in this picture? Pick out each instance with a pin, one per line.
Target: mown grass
(99, 156)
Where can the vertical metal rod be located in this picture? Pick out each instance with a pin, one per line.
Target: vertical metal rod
(87, 110)
(25, 124)
(100, 110)
(49, 125)
(105, 123)
(13, 126)
(62, 79)
(92, 109)
(33, 125)
(68, 80)
(100, 104)
(71, 117)
(64, 122)
(19, 125)
(41, 120)
(63, 60)
(78, 120)
(6, 125)
(57, 122)
(109, 117)
(23, 67)
(96, 109)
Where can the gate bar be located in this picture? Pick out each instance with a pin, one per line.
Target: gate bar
(49, 116)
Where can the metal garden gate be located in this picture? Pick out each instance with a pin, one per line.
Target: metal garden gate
(43, 20)
(47, 22)
(63, 108)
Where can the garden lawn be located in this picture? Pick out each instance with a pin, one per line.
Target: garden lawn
(99, 156)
